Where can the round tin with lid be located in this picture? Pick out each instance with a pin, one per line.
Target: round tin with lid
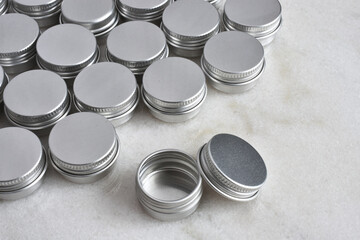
(174, 89)
(109, 89)
(83, 147)
(45, 12)
(4, 5)
(233, 61)
(22, 163)
(36, 100)
(3, 82)
(100, 17)
(232, 167)
(18, 41)
(259, 18)
(169, 185)
(144, 10)
(136, 45)
(188, 25)
(67, 49)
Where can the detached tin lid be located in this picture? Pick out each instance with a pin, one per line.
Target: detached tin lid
(39, 7)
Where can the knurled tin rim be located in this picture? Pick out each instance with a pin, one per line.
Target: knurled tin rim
(157, 10)
(36, 8)
(4, 82)
(4, 7)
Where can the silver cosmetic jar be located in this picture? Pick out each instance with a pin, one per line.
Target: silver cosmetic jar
(142, 10)
(232, 167)
(188, 25)
(109, 89)
(36, 100)
(83, 147)
(22, 163)
(174, 89)
(136, 45)
(169, 185)
(18, 41)
(233, 61)
(259, 18)
(4, 5)
(45, 12)
(66, 49)
(3, 82)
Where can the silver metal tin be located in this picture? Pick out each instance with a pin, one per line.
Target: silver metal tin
(3, 82)
(169, 185)
(22, 163)
(217, 3)
(136, 45)
(232, 167)
(109, 89)
(174, 89)
(18, 41)
(233, 61)
(142, 10)
(83, 147)
(4, 5)
(45, 12)
(36, 100)
(259, 18)
(188, 25)
(67, 49)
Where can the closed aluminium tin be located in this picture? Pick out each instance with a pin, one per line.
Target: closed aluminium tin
(233, 61)
(22, 163)
(259, 18)
(4, 5)
(3, 82)
(188, 25)
(17, 43)
(36, 100)
(83, 147)
(232, 167)
(169, 185)
(174, 89)
(66, 49)
(109, 89)
(45, 12)
(136, 45)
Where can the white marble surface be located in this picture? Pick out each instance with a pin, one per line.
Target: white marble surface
(303, 117)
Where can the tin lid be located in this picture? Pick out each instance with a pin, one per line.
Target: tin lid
(97, 16)
(136, 45)
(147, 10)
(22, 158)
(19, 41)
(258, 17)
(36, 7)
(36, 98)
(109, 89)
(66, 49)
(232, 167)
(174, 83)
(233, 57)
(83, 143)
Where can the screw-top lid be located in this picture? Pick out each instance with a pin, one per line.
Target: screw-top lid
(36, 7)
(147, 10)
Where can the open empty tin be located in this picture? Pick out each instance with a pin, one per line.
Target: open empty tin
(18, 41)
(83, 147)
(3, 82)
(22, 163)
(67, 49)
(45, 12)
(144, 10)
(188, 25)
(260, 18)
(36, 100)
(174, 89)
(136, 45)
(233, 61)
(109, 89)
(4, 5)
(169, 185)
(232, 167)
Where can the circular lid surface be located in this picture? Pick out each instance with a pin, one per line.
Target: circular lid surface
(173, 79)
(237, 160)
(234, 52)
(66, 45)
(191, 18)
(21, 34)
(253, 12)
(21, 152)
(143, 4)
(104, 85)
(82, 138)
(35, 93)
(136, 41)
